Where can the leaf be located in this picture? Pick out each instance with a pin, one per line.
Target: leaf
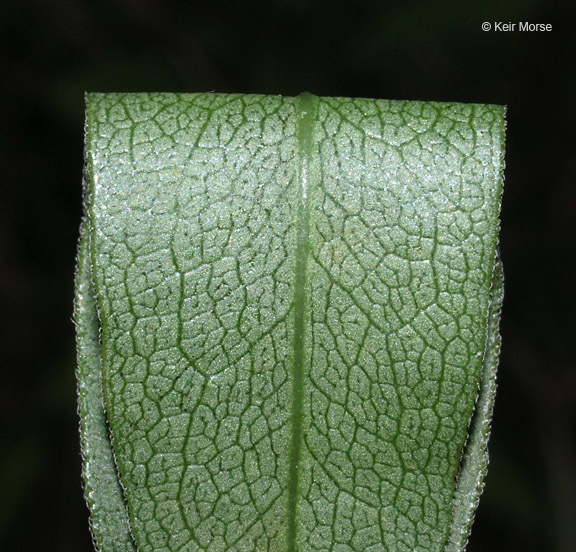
(297, 301)
(102, 489)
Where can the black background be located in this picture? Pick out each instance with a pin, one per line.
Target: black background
(51, 52)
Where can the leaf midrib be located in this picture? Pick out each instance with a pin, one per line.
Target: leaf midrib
(305, 115)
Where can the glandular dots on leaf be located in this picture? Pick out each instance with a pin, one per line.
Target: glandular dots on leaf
(292, 297)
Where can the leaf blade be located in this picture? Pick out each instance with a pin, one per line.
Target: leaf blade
(393, 244)
(474, 464)
(109, 523)
(400, 268)
(206, 346)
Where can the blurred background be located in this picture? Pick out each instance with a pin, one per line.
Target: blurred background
(51, 52)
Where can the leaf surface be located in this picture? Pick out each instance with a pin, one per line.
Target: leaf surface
(298, 310)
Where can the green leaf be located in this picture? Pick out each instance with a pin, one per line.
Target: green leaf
(287, 315)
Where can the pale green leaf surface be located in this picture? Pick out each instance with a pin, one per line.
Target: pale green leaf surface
(109, 520)
(296, 319)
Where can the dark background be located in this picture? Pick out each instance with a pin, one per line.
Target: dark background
(51, 52)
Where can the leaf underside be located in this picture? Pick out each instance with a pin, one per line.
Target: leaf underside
(287, 315)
